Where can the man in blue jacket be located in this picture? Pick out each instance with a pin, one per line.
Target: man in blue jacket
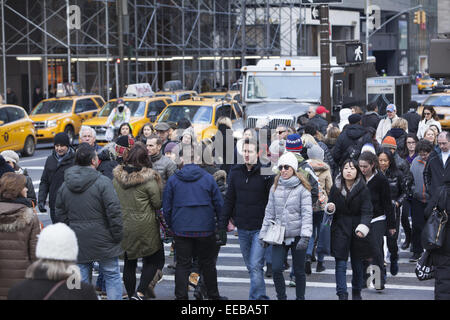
(192, 203)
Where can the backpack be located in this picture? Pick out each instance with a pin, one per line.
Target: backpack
(354, 150)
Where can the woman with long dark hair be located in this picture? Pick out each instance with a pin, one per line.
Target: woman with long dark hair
(139, 189)
(429, 117)
(349, 202)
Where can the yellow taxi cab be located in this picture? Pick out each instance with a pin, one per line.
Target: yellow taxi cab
(426, 84)
(65, 113)
(234, 95)
(16, 130)
(203, 113)
(175, 91)
(144, 108)
(441, 103)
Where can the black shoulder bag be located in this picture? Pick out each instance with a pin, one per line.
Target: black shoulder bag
(433, 233)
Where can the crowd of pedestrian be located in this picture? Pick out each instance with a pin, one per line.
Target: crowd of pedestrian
(366, 176)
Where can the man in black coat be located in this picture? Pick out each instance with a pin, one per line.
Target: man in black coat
(354, 135)
(317, 116)
(4, 167)
(245, 202)
(412, 117)
(371, 118)
(437, 169)
(52, 177)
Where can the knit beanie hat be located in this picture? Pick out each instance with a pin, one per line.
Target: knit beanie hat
(125, 141)
(369, 148)
(10, 155)
(354, 118)
(171, 147)
(57, 242)
(288, 159)
(294, 143)
(62, 139)
(315, 152)
(389, 142)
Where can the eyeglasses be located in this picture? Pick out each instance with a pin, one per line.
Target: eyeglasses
(285, 167)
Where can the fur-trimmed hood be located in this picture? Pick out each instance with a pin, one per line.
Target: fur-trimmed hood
(131, 179)
(317, 165)
(220, 175)
(14, 216)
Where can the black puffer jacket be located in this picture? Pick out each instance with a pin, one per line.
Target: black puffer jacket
(413, 119)
(320, 122)
(441, 256)
(370, 119)
(396, 185)
(88, 203)
(53, 176)
(400, 138)
(246, 197)
(351, 210)
(350, 136)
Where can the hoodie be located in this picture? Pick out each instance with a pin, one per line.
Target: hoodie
(192, 201)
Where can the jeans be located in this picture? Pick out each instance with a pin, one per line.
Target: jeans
(150, 265)
(268, 255)
(418, 222)
(298, 263)
(317, 220)
(392, 240)
(205, 249)
(253, 254)
(111, 276)
(341, 271)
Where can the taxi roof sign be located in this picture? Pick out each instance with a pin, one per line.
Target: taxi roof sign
(139, 90)
(68, 89)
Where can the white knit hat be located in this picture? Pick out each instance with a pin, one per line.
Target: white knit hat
(289, 159)
(57, 242)
(368, 147)
(10, 155)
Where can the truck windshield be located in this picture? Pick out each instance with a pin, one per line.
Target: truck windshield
(195, 114)
(283, 87)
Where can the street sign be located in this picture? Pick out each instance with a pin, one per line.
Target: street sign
(315, 15)
(320, 1)
(354, 52)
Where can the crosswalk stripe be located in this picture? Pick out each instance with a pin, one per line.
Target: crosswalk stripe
(34, 168)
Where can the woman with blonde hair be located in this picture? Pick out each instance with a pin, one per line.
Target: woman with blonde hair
(289, 205)
(399, 131)
(19, 228)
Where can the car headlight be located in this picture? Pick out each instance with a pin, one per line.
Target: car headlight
(50, 123)
(435, 83)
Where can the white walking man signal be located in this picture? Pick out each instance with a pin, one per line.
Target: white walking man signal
(358, 54)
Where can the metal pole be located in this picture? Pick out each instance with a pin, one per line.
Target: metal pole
(107, 50)
(136, 40)
(30, 102)
(69, 71)
(119, 8)
(325, 58)
(5, 100)
(367, 28)
(45, 64)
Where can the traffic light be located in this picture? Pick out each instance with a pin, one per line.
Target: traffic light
(417, 17)
(423, 18)
(118, 60)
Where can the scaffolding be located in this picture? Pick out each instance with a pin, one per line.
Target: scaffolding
(203, 43)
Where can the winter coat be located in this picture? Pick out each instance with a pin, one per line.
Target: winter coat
(4, 167)
(107, 160)
(320, 122)
(436, 173)
(246, 197)
(289, 205)
(370, 119)
(19, 229)
(139, 195)
(220, 176)
(328, 157)
(380, 196)
(53, 176)
(192, 201)
(400, 138)
(308, 171)
(352, 209)
(323, 172)
(164, 166)
(413, 119)
(424, 125)
(354, 134)
(418, 190)
(441, 256)
(38, 287)
(88, 203)
(383, 127)
(396, 185)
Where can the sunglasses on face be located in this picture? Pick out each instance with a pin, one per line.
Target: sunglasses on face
(285, 167)
(427, 113)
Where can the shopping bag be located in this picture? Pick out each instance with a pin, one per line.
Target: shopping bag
(275, 233)
(424, 267)
(323, 244)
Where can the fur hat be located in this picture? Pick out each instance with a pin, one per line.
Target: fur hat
(315, 152)
(57, 242)
(10, 155)
(288, 159)
(389, 142)
(294, 143)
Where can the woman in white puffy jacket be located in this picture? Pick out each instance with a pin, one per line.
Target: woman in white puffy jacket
(429, 117)
(289, 205)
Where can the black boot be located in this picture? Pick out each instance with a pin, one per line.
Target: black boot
(313, 256)
(343, 296)
(308, 265)
(356, 294)
(407, 242)
(320, 267)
